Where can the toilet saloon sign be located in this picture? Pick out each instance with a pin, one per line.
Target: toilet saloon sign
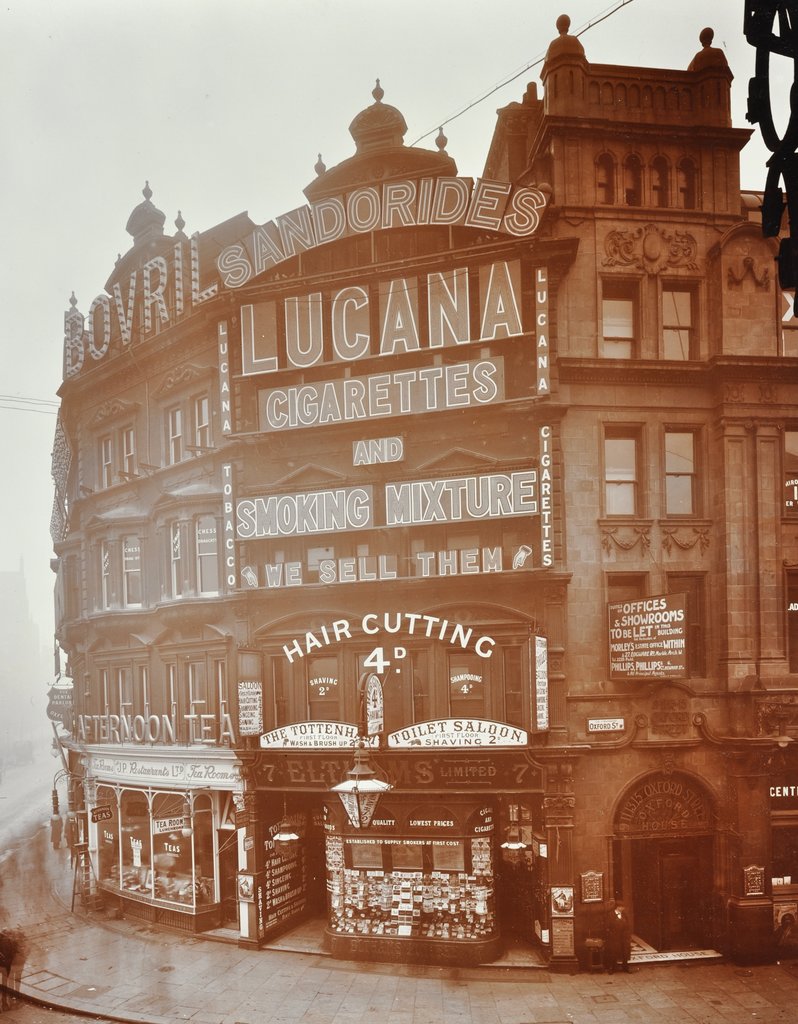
(459, 732)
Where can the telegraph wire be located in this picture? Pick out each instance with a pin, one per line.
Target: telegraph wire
(607, 13)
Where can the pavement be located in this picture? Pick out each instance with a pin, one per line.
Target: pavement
(124, 970)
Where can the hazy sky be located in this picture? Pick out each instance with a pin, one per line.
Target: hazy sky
(223, 105)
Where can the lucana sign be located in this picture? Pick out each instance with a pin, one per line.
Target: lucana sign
(447, 201)
(168, 286)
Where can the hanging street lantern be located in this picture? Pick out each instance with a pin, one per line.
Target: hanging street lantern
(361, 789)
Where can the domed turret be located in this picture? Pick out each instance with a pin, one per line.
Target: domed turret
(708, 56)
(146, 221)
(564, 45)
(379, 126)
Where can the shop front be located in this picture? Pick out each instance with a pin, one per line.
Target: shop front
(158, 849)
(783, 795)
(441, 874)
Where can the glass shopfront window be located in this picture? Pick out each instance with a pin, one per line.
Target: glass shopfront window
(143, 850)
(171, 850)
(108, 838)
(136, 853)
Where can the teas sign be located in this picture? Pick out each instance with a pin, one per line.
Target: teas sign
(250, 707)
(648, 638)
(102, 813)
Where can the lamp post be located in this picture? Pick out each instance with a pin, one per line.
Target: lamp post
(361, 789)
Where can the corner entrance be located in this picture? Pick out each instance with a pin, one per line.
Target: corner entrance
(663, 858)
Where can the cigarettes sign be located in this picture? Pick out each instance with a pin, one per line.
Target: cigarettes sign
(648, 638)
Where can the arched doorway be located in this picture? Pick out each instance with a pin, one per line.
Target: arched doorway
(663, 858)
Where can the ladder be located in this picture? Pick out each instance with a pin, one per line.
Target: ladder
(84, 881)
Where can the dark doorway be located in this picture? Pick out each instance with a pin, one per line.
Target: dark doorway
(671, 887)
(228, 870)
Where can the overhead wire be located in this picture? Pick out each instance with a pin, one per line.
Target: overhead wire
(597, 20)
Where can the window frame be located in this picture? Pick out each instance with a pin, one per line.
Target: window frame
(626, 290)
(620, 432)
(128, 573)
(679, 288)
(660, 182)
(693, 476)
(207, 558)
(174, 426)
(106, 453)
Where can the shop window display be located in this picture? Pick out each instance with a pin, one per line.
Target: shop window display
(108, 839)
(425, 889)
(136, 855)
(153, 849)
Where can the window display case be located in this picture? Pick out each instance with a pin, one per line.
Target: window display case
(150, 850)
(412, 897)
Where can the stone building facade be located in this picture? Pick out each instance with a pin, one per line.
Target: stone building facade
(488, 484)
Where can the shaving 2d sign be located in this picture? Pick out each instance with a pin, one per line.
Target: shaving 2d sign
(459, 732)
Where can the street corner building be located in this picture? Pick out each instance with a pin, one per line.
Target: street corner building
(427, 556)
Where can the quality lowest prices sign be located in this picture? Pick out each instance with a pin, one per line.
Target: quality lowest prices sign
(648, 638)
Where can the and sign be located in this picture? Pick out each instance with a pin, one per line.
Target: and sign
(311, 736)
(250, 707)
(605, 725)
(459, 732)
(103, 812)
(648, 638)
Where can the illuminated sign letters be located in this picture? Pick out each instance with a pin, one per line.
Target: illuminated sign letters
(494, 205)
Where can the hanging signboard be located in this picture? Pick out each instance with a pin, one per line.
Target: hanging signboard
(103, 812)
(541, 683)
(648, 638)
(250, 707)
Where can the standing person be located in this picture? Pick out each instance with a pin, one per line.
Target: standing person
(19, 953)
(618, 943)
(7, 953)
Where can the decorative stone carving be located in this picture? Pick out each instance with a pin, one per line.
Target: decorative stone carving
(113, 409)
(610, 536)
(747, 268)
(672, 535)
(651, 249)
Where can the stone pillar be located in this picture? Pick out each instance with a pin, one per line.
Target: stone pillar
(558, 810)
(750, 906)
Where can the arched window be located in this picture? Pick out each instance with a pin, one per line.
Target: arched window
(686, 183)
(605, 179)
(660, 181)
(632, 181)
